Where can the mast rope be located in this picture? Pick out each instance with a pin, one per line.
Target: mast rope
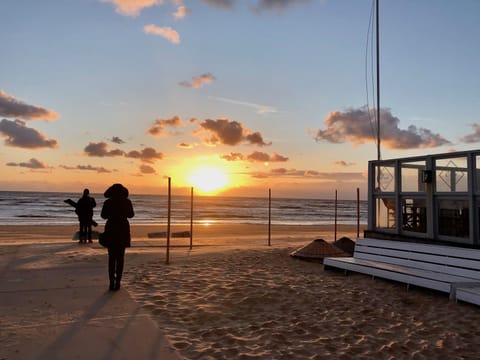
(369, 51)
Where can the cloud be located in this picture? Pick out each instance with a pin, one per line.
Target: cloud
(233, 156)
(355, 126)
(311, 174)
(474, 137)
(185, 146)
(166, 32)
(224, 131)
(256, 138)
(223, 4)
(264, 157)
(19, 135)
(198, 81)
(158, 127)
(132, 7)
(260, 109)
(147, 169)
(98, 169)
(261, 4)
(117, 140)
(255, 156)
(14, 108)
(101, 150)
(277, 4)
(344, 163)
(31, 164)
(148, 154)
(182, 11)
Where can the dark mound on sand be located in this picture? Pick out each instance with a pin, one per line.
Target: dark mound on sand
(345, 244)
(317, 250)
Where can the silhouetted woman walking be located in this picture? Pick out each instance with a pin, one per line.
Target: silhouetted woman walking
(117, 209)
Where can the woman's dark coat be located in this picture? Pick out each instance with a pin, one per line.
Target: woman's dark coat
(117, 209)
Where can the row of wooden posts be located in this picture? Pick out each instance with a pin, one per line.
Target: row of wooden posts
(269, 242)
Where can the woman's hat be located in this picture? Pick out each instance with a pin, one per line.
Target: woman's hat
(116, 190)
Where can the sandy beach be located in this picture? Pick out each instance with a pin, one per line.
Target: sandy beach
(232, 296)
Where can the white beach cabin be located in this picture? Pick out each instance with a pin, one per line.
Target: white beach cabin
(423, 224)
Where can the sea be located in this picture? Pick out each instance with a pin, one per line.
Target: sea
(49, 208)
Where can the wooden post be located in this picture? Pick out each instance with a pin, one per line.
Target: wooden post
(167, 260)
(191, 218)
(358, 213)
(269, 216)
(335, 217)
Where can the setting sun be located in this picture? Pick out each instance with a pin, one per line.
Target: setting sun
(208, 179)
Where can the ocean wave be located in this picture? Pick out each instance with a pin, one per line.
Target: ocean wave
(36, 208)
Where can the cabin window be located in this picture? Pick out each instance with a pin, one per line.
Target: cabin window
(386, 213)
(451, 175)
(477, 173)
(414, 215)
(453, 218)
(385, 178)
(412, 176)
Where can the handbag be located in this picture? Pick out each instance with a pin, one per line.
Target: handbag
(104, 240)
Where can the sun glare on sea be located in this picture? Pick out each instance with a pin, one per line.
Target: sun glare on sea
(208, 180)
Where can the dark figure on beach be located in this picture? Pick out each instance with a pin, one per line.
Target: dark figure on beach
(117, 209)
(84, 210)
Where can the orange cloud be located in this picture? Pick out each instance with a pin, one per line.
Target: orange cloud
(165, 32)
(147, 169)
(13, 108)
(18, 134)
(182, 11)
(158, 128)
(473, 137)
(255, 156)
(31, 164)
(101, 150)
(198, 81)
(147, 154)
(98, 169)
(132, 7)
(311, 174)
(224, 131)
(344, 163)
(185, 146)
(357, 126)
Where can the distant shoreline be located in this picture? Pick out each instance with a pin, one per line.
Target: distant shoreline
(201, 233)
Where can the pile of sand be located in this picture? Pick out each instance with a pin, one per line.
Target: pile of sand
(318, 250)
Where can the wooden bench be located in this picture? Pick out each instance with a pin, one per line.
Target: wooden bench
(449, 269)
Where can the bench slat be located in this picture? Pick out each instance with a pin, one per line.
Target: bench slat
(411, 255)
(433, 275)
(425, 248)
(470, 294)
(438, 267)
(404, 278)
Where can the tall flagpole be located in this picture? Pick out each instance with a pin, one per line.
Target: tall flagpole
(378, 81)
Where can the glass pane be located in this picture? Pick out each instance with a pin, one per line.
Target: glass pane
(385, 178)
(453, 218)
(477, 173)
(385, 213)
(414, 215)
(412, 176)
(451, 175)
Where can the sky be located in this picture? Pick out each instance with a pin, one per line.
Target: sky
(232, 97)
